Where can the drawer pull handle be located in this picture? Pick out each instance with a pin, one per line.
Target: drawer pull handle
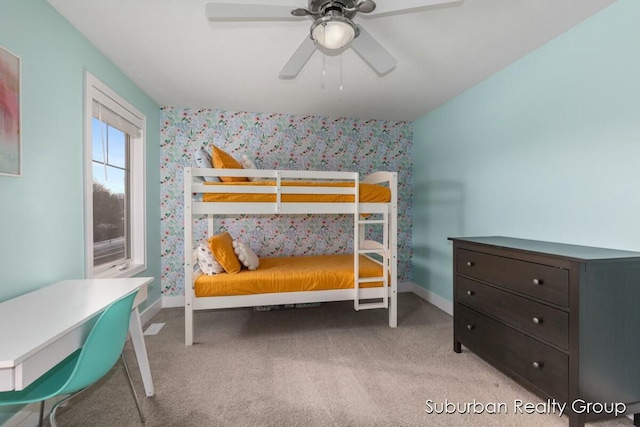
(470, 293)
(471, 327)
(537, 320)
(470, 263)
(538, 365)
(537, 282)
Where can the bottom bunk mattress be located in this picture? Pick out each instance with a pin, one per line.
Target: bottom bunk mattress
(290, 274)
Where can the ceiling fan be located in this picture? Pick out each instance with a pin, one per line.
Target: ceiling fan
(332, 28)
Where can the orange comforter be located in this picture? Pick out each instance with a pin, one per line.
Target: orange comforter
(290, 274)
(369, 193)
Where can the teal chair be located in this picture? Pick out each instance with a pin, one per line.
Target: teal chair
(84, 367)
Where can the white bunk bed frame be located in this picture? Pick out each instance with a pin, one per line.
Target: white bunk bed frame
(386, 250)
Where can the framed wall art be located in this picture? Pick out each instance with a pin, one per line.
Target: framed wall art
(10, 120)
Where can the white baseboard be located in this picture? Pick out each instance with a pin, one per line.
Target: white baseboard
(405, 287)
(173, 301)
(148, 313)
(29, 415)
(432, 298)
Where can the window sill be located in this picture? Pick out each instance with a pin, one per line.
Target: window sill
(115, 273)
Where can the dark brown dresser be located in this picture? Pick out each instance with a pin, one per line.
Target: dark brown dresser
(563, 320)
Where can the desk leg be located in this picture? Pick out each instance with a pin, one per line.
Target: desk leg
(137, 338)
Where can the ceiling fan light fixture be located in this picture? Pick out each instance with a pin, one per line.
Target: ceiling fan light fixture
(333, 32)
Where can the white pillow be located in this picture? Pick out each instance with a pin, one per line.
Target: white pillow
(206, 260)
(246, 255)
(247, 163)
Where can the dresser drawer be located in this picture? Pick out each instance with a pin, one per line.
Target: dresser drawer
(540, 281)
(539, 364)
(539, 320)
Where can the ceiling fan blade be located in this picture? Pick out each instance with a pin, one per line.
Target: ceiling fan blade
(248, 12)
(373, 53)
(386, 7)
(298, 59)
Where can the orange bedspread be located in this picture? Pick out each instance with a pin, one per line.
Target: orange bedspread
(290, 274)
(369, 193)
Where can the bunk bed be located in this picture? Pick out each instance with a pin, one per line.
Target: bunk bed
(368, 276)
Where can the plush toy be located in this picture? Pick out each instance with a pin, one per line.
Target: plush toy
(247, 163)
(246, 255)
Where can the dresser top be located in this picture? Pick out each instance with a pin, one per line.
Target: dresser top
(574, 252)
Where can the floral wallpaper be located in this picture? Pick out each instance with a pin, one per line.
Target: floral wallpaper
(280, 141)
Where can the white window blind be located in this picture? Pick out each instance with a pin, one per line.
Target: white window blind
(130, 125)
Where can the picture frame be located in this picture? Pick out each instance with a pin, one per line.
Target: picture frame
(10, 114)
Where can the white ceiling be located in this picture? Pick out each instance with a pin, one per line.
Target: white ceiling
(174, 54)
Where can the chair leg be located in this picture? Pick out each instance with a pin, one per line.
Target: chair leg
(63, 402)
(52, 414)
(41, 420)
(133, 390)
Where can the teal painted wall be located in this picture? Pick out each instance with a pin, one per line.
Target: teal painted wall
(41, 213)
(41, 219)
(548, 149)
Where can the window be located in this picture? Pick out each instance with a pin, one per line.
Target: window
(114, 184)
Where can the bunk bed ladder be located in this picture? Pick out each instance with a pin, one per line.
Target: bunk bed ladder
(368, 248)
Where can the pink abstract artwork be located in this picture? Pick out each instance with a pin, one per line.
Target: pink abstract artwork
(10, 162)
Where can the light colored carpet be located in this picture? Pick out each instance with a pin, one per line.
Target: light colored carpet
(321, 366)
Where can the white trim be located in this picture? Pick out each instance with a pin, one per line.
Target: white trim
(150, 312)
(29, 415)
(95, 89)
(432, 298)
(131, 271)
(173, 301)
(405, 287)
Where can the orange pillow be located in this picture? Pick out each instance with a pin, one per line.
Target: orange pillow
(221, 246)
(223, 160)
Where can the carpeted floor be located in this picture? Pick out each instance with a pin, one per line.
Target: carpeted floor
(320, 366)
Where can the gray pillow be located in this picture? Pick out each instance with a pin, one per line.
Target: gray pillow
(202, 159)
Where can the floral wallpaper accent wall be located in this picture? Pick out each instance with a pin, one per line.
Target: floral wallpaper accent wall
(280, 141)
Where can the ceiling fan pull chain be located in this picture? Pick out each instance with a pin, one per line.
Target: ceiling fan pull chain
(324, 70)
(340, 73)
(324, 65)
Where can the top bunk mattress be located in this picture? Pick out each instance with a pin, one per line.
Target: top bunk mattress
(290, 274)
(369, 193)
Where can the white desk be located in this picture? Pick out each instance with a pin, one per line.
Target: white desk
(39, 329)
